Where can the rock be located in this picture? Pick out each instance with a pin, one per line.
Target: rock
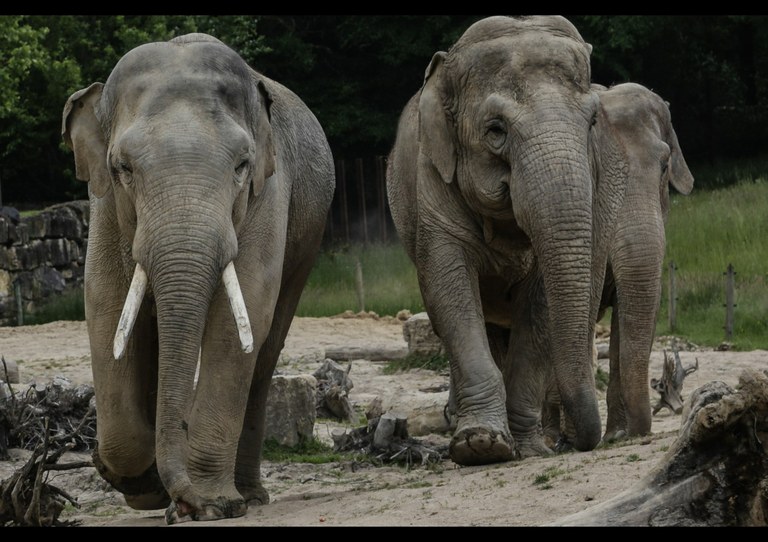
(291, 414)
(381, 353)
(425, 411)
(421, 338)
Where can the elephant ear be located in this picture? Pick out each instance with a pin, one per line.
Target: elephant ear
(263, 137)
(81, 130)
(435, 134)
(679, 175)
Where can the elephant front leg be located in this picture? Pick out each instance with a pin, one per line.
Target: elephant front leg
(126, 391)
(527, 372)
(452, 298)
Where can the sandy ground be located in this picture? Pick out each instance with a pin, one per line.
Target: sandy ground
(529, 492)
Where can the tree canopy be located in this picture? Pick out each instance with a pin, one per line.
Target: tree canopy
(357, 72)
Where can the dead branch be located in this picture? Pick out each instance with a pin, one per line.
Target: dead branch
(333, 385)
(670, 386)
(386, 438)
(25, 498)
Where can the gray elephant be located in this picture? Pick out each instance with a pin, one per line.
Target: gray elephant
(209, 188)
(641, 120)
(497, 192)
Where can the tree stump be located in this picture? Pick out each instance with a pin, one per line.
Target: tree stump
(716, 472)
(670, 387)
(333, 385)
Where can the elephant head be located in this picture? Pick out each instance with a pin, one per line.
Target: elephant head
(504, 183)
(175, 146)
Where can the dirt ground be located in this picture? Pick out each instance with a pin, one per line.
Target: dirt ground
(529, 492)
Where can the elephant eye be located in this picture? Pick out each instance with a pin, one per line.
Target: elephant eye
(240, 171)
(496, 134)
(124, 172)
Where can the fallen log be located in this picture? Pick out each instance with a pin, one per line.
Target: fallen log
(715, 473)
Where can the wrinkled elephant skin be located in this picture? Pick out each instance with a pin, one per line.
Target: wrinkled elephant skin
(492, 189)
(209, 187)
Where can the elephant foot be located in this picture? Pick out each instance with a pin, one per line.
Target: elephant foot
(532, 446)
(614, 435)
(143, 492)
(480, 446)
(180, 511)
(563, 445)
(257, 495)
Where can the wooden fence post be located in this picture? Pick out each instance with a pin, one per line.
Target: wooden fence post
(361, 180)
(729, 304)
(382, 190)
(672, 298)
(359, 286)
(341, 179)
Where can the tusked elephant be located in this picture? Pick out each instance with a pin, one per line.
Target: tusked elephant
(209, 188)
(497, 191)
(642, 121)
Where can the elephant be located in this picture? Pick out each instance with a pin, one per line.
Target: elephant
(643, 122)
(497, 192)
(209, 187)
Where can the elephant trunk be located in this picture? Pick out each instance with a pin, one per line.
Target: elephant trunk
(183, 287)
(558, 218)
(187, 254)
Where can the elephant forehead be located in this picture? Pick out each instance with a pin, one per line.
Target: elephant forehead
(154, 75)
(519, 60)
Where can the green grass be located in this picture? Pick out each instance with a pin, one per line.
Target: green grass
(707, 231)
(310, 451)
(389, 282)
(68, 306)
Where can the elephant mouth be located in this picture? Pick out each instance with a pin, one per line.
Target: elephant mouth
(136, 295)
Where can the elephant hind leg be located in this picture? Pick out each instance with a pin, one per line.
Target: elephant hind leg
(143, 492)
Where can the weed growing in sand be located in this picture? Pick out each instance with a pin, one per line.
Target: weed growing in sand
(542, 480)
(436, 362)
(631, 458)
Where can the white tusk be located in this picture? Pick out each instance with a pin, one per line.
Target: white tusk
(237, 304)
(130, 310)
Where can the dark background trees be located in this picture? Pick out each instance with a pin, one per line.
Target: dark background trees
(357, 72)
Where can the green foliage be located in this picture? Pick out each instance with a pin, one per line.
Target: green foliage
(631, 458)
(389, 281)
(68, 306)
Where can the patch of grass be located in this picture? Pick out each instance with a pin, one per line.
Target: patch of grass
(631, 458)
(309, 451)
(706, 231)
(437, 362)
(67, 306)
(420, 484)
(389, 281)
(543, 479)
